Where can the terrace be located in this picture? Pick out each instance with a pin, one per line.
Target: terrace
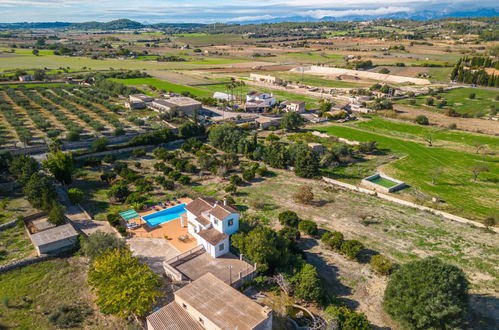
(162, 221)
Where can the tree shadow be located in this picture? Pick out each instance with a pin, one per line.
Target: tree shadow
(483, 312)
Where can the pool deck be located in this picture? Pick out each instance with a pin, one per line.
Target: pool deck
(170, 230)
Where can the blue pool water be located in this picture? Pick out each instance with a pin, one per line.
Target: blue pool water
(165, 215)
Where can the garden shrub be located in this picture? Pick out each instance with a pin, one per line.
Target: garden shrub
(308, 227)
(381, 264)
(289, 218)
(351, 248)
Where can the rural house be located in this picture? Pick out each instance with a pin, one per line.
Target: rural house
(294, 106)
(55, 240)
(211, 222)
(259, 99)
(209, 303)
(265, 78)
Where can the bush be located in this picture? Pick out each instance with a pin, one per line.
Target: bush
(289, 218)
(69, 316)
(351, 248)
(109, 159)
(430, 101)
(427, 294)
(56, 214)
(99, 242)
(304, 195)
(139, 153)
(334, 240)
(262, 171)
(100, 144)
(422, 120)
(235, 180)
(73, 136)
(307, 285)
(342, 317)
(472, 96)
(381, 264)
(75, 195)
(290, 233)
(308, 227)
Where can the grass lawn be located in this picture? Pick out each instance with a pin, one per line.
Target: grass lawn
(161, 84)
(36, 290)
(14, 245)
(458, 99)
(455, 185)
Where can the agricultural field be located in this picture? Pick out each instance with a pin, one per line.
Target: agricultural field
(415, 161)
(32, 293)
(37, 114)
(459, 100)
(163, 85)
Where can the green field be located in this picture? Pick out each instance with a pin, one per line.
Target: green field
(448, 138)
(10, 62)
(458, 99)
(315, 57)
(455, 185)
(161, 84)
(204, 39)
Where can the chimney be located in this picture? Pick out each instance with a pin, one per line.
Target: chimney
(225, 201)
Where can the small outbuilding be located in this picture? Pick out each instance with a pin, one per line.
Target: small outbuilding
(55, 240)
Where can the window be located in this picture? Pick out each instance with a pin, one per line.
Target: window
(231, 222)
(184, 305)
(221, 247)
(216, 221)
(201, 321)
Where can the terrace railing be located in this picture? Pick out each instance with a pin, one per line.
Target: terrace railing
(187, 255)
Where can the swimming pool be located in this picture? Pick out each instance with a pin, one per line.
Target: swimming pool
(165, 215)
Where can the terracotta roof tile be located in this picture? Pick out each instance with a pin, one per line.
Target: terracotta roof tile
(212, 236)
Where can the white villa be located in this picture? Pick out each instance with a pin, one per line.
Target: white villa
(212, 222)
(260, 99)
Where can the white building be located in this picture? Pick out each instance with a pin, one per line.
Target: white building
(140, 98)
(294, 106)
(223, 96)
(265, 78)
(211, 222)
(260, 99)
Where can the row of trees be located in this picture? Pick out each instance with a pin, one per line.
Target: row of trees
(471, 70)
(232, 139)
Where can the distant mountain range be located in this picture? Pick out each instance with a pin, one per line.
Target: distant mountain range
(127, 24)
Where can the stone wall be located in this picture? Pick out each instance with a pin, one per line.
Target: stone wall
(23, 263)
(407, 203)
(389, 78)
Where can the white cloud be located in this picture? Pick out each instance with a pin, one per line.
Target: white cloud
(250, 18)
(320, 13)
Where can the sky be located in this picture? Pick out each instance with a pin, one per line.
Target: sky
(211, 11)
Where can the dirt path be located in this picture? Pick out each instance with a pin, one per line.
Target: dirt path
(468, 124)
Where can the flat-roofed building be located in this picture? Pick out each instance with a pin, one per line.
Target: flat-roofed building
(55, 240)
(140, 98)
(266, 122)
(133, 105)
(178, 104)
(265, 78)
(209, 303)
(294, 106)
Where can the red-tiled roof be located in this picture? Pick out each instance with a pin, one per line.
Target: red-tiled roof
(212, 235)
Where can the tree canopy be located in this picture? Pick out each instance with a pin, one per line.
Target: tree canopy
(427, 294)
(124, 285)
(61, 166)
(99, 242)
(292, 121)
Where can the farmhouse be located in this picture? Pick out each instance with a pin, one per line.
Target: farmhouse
(140, 98)
(265, 78)
(266, 122)
(294, 106)
(26, 77)
(211, 222)
(132, 105)
(317, 147)
(209, 303)
(260, 100)
(180, 105)
(55, 240)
